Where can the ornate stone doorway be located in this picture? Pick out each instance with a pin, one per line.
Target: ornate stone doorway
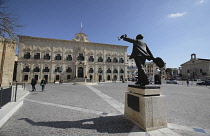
(80, 72)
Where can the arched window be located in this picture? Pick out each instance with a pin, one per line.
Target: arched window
(91, 59)
(108, 70)
(37, 56)
(46, 69)
(26, 69)
(121, 60)
(115, 71)
(58, 69)
(47, 56)
(69, 58)
(68, 70)
(91, 70)
(36, 69)
(27, 55)
(115, 60)
(100, 59)
(58, 57)
(121, 71)
(100, 70)
(80, 57)
(108, 59)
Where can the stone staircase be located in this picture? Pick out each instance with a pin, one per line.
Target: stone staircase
(80, 80)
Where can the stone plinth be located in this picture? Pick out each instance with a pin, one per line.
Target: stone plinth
(145, 106)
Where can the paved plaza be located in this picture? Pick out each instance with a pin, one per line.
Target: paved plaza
(74, 110)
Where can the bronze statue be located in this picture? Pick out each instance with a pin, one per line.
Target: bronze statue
(140, 53)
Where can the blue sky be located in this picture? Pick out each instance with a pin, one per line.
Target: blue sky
(173, 29)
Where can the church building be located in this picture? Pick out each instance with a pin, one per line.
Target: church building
(56, 59)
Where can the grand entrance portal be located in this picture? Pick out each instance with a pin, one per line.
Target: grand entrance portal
(80, 72)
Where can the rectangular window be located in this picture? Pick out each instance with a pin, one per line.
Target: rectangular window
(26, 69)
(47, 56)
(36, 69)
(81, 57)
(37, 56)
(91, 59)
(46, 69)
(108, 59)
(25, 77)
(58, 69)
(100, 59)
(69, 58)
(201, 71)
(58, 57)
(68, 76)
(121, 60)
(36, 77)
(27, 55)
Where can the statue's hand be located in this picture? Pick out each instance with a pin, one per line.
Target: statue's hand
(123, 36)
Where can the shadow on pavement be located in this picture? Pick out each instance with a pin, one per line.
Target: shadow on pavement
(107, 124)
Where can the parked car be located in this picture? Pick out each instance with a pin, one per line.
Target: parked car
(204, 83)
(171, 81)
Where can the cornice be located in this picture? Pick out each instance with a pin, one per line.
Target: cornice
(70, 41)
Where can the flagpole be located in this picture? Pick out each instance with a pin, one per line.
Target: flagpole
(81, 28)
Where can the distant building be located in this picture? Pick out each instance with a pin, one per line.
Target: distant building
(65, 60)
(132, 70)
(150, 68)
(173, 73)
(196, 68)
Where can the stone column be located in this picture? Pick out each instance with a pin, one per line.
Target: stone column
(76, 74)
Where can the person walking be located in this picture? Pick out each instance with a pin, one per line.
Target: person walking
(43, 83)
(33, 84)
(187, 82)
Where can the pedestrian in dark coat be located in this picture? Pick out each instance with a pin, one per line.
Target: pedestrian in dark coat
(43, 83)
(33, 84)
(187, 82)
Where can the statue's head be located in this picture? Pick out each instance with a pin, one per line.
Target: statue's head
(139, 36)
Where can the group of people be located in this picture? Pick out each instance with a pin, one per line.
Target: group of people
(34, 82)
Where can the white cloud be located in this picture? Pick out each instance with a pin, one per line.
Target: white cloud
(201, 1)
(177, 15)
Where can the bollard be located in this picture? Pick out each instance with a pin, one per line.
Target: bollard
(24, 86)
(15, 92)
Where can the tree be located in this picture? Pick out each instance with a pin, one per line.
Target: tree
(8, 25)
(8, 22)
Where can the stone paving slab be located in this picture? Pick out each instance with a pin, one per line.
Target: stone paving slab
(38, 119)
(71, 95)
(56, 112)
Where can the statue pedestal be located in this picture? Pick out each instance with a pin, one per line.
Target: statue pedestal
(145, 106)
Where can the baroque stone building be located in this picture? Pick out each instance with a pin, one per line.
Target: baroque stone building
(57, 59)
(196, 68)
